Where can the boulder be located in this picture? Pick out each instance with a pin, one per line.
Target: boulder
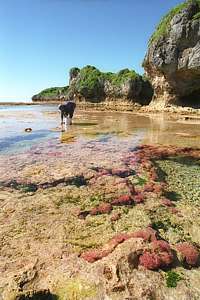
(172, 62)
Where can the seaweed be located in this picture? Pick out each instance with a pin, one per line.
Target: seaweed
(172, 279)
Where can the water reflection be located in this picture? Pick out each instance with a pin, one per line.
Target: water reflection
(105, 127)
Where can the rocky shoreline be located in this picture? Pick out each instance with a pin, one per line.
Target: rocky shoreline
(171, 64)
(117, 106)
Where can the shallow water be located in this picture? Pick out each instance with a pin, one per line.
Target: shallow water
(106, 127)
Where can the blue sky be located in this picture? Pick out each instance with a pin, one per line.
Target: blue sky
(42, 39)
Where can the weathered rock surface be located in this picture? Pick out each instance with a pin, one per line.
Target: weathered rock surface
(91, 85)
(172, 62)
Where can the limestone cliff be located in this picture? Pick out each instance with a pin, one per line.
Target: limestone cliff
(172, 62)
(91, 85)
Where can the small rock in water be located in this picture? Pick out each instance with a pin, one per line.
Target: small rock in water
(28, 129)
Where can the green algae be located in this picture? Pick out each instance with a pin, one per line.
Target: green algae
(76, 289)
(183, 178)
(138, 180)
(182, 175)
(172, 279)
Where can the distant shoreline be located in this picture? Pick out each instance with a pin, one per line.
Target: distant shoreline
(122, 107)
(26, 103)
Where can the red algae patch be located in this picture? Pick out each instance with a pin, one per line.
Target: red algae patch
(147, 234)
(158, 256)
(166, 258)
(103, 208)
(124, 172)
(189, 253)
(115, 217)
(160, 245)
(94, 255)
(167, 202)
(150, 261)
(123, 200)
(139, 198)
(149, 188)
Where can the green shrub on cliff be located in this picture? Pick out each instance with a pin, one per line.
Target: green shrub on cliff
(164, 25)
(54, 92)
(119, 78)
(74, 72)
(89, 84)
(196, 16)
(93, 85)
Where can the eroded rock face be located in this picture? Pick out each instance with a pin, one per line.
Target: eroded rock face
(92, 85)
(172, 62)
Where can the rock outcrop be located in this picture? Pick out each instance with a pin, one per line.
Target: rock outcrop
(53, 94)
(172, 62)
(91, 85)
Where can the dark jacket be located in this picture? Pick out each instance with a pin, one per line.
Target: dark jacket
(67, 109)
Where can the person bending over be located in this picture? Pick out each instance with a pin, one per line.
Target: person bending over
(67, 111)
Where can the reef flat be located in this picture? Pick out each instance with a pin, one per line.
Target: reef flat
(108, 209)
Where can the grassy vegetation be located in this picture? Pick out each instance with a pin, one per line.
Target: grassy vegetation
(54, 91)
(196, 16)
(119, 78)
(164, 25)
(91, 81)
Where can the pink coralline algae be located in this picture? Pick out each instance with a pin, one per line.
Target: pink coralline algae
(163, 249)
(153, 175)
(131, 187)
(145, 152)
(149, 188)
(147, 234)
(103, 172)
(159, 256)
(175, 211)
(150, 261)
(103, 208)
(167, 202)
(94, 255)
(115, 217)
(139, 198)
(160, 245)
(166, 258)
(158, 188)
(123, 200)
(116, 240)
(189, 253)
(121, 172)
